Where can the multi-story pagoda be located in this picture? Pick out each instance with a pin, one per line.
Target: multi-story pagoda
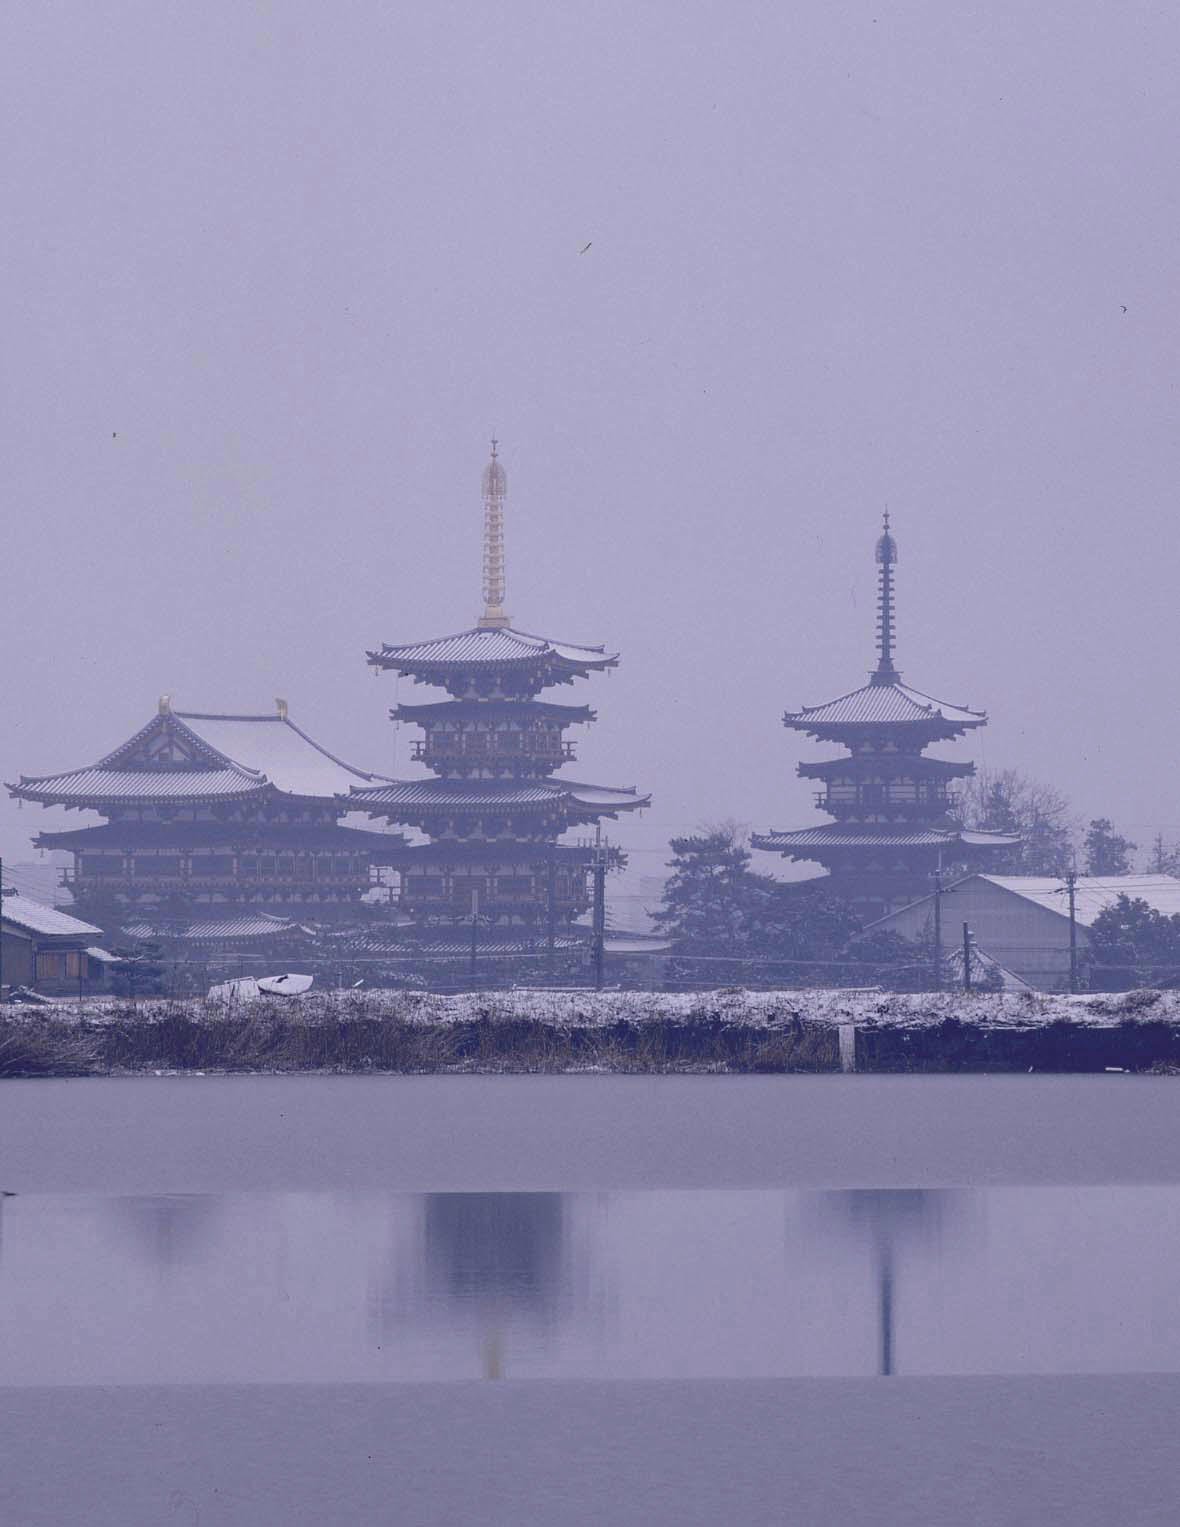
(220, 828)
(893, 807)
(494, 812)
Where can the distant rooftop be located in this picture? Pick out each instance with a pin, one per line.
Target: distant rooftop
(34, 917)
(192, 755)
(887, 835)
(493, 648)
(891, 704)
(1094, 893)
(469, 794)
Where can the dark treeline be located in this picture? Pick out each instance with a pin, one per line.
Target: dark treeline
(732, 925)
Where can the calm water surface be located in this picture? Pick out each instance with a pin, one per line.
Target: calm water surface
(599, 1300)
(345, 1287)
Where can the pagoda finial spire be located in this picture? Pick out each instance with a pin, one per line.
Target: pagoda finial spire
(495, 489)
(885, 672)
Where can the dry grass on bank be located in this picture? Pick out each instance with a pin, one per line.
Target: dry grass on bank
(626, 1032)
(350, 1037)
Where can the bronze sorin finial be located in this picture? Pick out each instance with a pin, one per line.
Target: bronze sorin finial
(495, 488)
(885, 672)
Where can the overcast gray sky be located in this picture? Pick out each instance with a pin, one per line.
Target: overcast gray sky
(273, 272)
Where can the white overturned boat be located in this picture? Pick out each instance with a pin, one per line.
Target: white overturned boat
(247, 988)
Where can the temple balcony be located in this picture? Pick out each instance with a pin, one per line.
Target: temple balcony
(904, 800)
(464, 749)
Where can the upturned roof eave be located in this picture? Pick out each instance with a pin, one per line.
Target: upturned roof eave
(934, 767)
(252, 835)
(99, 802)
(828, 835)
(408, 657)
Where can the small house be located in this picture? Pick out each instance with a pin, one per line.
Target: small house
(50, 951)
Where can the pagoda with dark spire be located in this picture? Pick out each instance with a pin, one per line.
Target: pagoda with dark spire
(894, 812)
(495, 810)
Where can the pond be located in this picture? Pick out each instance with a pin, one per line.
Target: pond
(589, 1299)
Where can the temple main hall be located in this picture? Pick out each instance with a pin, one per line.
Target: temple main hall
(894, 824)
(222, 831)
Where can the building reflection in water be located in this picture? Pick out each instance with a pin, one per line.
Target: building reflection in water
(166, 1230)
(492, 1266)
(895, 1227)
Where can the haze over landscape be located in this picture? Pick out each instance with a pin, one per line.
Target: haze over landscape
(727, 281)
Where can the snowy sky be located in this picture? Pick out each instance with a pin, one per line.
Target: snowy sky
(274, 272)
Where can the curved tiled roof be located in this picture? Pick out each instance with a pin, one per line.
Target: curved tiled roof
(495, 647)
(884, 766)
(275, 748)
(303, 837)
(230, 758)
(476, 794)
(245, 925)
(107, 787)
(888, 704)
(836, 835)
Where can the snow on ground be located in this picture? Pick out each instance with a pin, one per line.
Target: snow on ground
(587, 1008)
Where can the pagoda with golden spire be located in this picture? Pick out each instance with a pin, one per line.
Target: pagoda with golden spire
(496, 808)
(892, 806)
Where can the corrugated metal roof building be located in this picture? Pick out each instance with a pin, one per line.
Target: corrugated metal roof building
(1022, 921)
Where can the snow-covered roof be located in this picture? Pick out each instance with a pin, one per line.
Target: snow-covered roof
(890, 704)
(34, 917)
(274, 747)
(1093, 893)
(99, 786)
(836, 835)
(212, 929)
(251, 836)
(194, 756)
(494, 647)
(475, 794)
(983, 962)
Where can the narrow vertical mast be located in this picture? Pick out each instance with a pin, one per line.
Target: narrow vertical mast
(495, 489)
(885, 672)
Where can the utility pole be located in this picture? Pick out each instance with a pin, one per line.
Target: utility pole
(1071, 883)
(474, 930)
(966, 958)
(938, 927)
(551, 912)
(4, 891)
(598, 865)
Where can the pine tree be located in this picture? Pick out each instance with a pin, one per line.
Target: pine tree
(1107, 852)
(730, 923)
